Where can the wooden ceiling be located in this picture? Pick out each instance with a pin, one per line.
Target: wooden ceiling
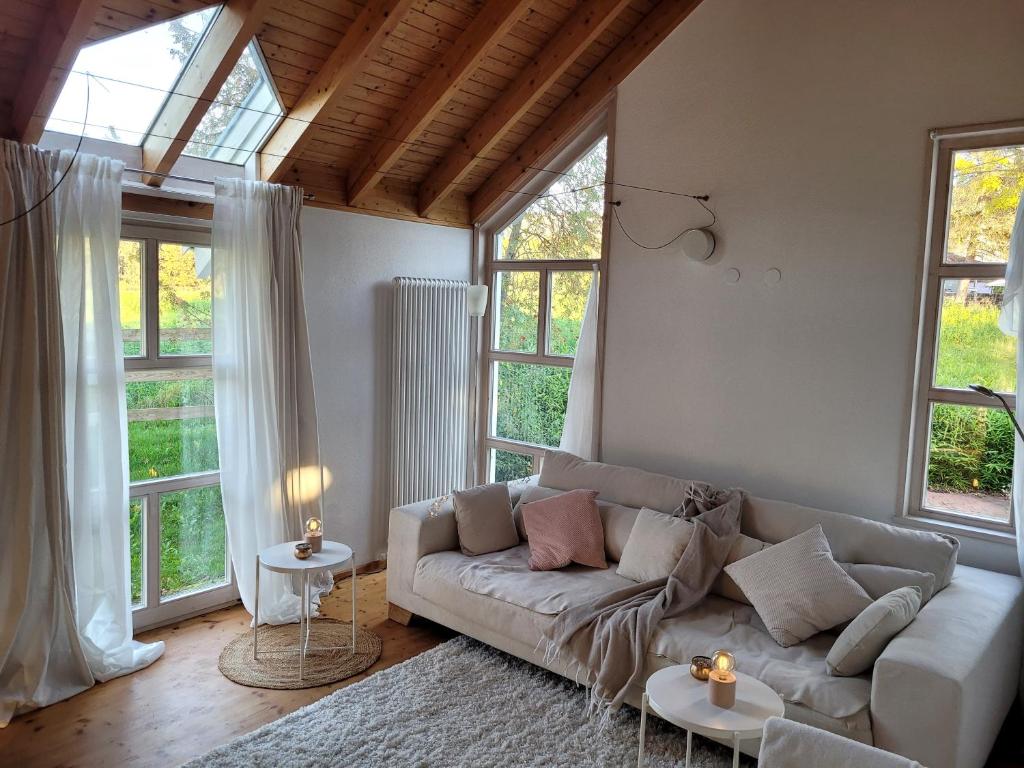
(421, 109)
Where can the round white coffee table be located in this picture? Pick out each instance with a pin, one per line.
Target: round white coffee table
(281, 559)
(674, 695)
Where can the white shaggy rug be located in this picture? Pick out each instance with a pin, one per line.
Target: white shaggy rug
(460, 704)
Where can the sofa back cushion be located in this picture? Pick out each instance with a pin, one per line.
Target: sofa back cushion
(852, 539)
(622, 485)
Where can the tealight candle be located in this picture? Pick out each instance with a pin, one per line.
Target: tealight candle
(722, 680)
(314, 534)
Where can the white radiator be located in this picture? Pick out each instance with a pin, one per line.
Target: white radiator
(430, 401)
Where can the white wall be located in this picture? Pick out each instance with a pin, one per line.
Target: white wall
(349, 261)
(808, 124)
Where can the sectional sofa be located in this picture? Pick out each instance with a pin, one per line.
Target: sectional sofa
(938, 694)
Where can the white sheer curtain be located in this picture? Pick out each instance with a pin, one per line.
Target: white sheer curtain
(263, 386)
(63, 459)
(41, 658)
(88, 205)
(578, 430)
(1010, 320)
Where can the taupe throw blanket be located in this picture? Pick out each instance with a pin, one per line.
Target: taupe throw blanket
(608, 638)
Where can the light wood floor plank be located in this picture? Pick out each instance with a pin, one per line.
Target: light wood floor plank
(182, 706)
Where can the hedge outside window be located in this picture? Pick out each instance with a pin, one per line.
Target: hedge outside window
(962, 467)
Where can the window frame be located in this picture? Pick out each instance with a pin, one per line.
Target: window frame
(945, 143)
(486, 441)
(153, 611)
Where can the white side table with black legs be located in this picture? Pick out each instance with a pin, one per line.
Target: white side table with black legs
(281, 559)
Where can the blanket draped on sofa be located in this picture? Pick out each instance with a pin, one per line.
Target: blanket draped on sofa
(608, 638)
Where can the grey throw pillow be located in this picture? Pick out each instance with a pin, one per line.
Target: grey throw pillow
(797, 588)
(483, 516)
(654, 546)
(857, 649)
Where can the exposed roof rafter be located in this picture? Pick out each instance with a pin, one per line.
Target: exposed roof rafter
(63, 33)
(204, 75)
(361, 43)
(582, 105)
(574, 37)
(492, 23)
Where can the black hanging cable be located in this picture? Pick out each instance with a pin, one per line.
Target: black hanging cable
(352, 134)
(367, 136)
(700, 201)
(67, 170)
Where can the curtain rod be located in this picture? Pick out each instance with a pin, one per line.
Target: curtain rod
(305, 196)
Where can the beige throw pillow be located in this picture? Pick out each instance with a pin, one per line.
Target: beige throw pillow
(879, 580)
(483, 517)
(797, 588)
(744, 546)
(857, 649)
(654, 546)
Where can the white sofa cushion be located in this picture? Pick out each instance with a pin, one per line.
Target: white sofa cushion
(654, 546)
(860, 644)
(797, 673)
(506, 576)
(797, 588)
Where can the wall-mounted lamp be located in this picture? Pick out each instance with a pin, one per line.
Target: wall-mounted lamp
(476, 300)
(697, 244)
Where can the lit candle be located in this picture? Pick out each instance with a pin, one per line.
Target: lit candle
(722, 680)
(314, 534)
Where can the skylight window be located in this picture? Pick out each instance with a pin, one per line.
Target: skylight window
(241, 116)
(130, 77)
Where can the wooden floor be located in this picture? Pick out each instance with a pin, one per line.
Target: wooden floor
(182, 707)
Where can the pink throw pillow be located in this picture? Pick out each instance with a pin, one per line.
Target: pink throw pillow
(565, 529)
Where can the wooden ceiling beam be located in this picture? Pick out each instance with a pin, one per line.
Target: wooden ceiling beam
(63, 33)
(204, 75)
(493, 22)
(579, 107)
(363, 40)
(567, 44)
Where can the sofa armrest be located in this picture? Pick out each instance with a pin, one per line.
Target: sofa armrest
(419, 529)
(788, 744)
(416, 530)
(943, 686)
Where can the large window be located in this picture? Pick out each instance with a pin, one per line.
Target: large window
(962, 464)
(117, 87)
(179, 555)
(540, 268)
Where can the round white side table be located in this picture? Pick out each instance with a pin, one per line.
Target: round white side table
(281, 559)
(673, 694)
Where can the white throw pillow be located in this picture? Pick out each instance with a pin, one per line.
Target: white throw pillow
(654, 546)
(858, 647)
(797, 588)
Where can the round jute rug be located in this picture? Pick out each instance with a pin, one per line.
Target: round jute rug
(278, 664)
